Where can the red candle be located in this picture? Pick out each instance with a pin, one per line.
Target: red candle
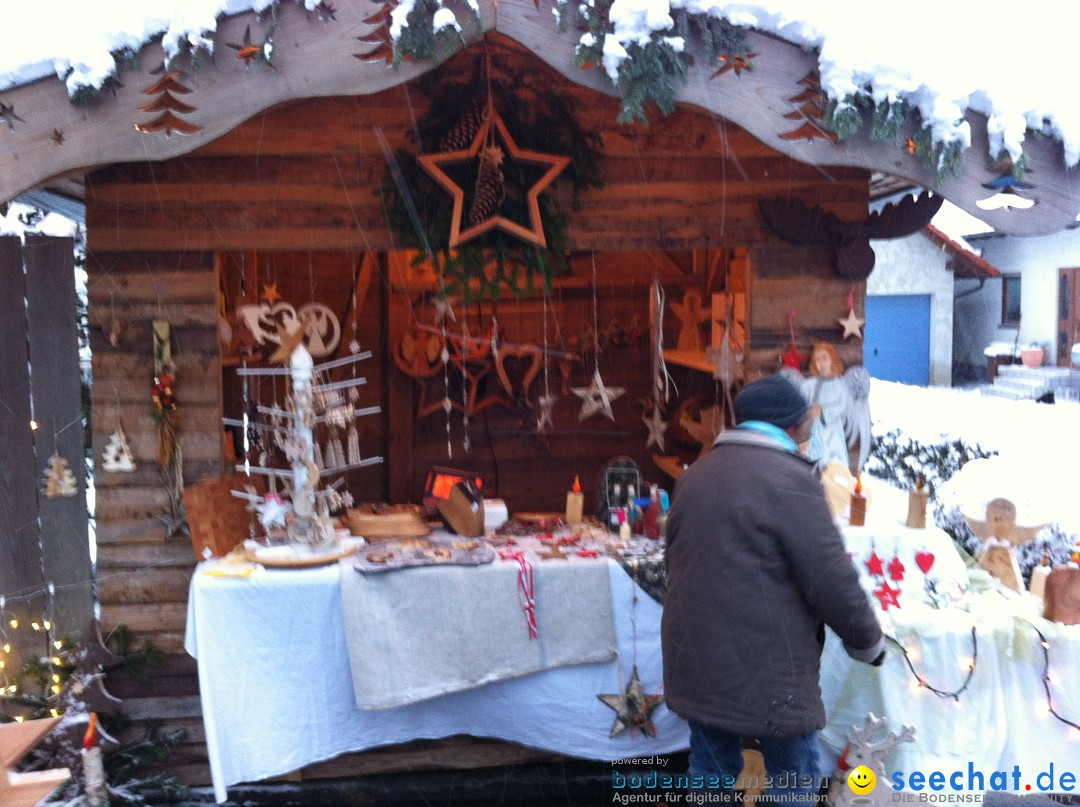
(857, 509)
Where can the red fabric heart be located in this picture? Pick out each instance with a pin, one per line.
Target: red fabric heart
(924, 560)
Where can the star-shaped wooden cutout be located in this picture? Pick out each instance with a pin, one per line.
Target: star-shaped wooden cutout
(270, 293)
(873, 564)
(793, 358)
(543, 418)
(289, 343)
(656, 425)
(633, 708)
(246, 51)
(736, 62)
(852, 324)
(888, 596)
(534, 233)
(597, 398)
(8, 116)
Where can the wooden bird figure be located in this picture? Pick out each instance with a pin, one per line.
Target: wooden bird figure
(794, 221)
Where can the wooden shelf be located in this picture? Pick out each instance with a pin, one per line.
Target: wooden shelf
(687, 358)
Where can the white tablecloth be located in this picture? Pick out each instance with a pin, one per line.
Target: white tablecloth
(277, 694)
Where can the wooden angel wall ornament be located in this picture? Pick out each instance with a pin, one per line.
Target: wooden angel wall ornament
(841, 400)
(799, 223)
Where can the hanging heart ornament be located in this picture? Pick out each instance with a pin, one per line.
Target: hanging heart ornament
(924, 560)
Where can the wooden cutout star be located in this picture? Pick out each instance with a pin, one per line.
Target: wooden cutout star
(534, 233)
(793, 358)
(246, 51)
(8, 116)
(270, 293)
(597, 398)
(656, 426)
(888, 596)
(852, 324)
(735, 62)
(444, 307)
(543, 418)
(289, 343)
(633, 708)
(873, 564)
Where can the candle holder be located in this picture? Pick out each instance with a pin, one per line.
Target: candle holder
(857, 507)
(916, 509)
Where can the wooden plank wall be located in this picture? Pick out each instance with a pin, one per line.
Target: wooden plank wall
(144, 572)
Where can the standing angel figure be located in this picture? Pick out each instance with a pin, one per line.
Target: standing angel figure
(840, 401)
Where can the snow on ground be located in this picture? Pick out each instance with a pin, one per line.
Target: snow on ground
(1038, 445)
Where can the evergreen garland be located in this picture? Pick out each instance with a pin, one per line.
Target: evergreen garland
(538, 118)
(420, 41)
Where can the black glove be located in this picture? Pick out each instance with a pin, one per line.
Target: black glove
(879, 660)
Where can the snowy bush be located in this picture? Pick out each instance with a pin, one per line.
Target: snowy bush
(897, 458)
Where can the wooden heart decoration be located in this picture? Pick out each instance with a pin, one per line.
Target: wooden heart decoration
(924, 560)
(523, 361)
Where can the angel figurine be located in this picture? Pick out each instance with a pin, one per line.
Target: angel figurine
(840, 401)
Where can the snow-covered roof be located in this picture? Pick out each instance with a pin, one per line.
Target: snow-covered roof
(949, 61)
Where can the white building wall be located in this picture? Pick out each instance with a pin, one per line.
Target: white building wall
(1037, 260)
(915, 265)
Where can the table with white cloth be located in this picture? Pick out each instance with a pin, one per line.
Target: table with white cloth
(277, 693)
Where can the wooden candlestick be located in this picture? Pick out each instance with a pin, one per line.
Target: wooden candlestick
(857, 507)
(575, 503)
(916, 507)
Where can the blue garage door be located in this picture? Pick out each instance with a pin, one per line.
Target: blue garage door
(896, 346)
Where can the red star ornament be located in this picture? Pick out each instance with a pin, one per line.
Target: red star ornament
(887, 596)
(534, 233)
(873, 563)
(793, 358)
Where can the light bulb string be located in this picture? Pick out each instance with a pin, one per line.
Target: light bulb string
(941, 693)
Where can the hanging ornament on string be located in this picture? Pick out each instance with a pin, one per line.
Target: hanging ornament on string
(596, 397)
(633, 707)
(59, 480)
(546, 401)
(116, 456)
(852, 323)
(793, 358)
(655, 422)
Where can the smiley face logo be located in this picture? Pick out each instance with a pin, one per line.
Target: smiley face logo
(861, 780)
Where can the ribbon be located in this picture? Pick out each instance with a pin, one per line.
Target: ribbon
(526, 588)
(588, 553)
(851, 298)
(791, 324)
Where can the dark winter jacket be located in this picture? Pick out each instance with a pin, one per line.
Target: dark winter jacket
(755, 569)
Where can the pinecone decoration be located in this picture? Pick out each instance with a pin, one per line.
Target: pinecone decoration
(461, 136)
(489, 186)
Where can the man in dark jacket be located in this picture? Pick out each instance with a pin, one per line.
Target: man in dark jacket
(755, 569)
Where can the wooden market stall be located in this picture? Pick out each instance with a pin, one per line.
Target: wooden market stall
(231, 200)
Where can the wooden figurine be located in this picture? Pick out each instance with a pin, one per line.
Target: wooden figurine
(1001, 523)
(916, 509)
(1061, 602)
(691, 314)
(999, 559)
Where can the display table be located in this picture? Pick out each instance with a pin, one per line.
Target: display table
(277, 693)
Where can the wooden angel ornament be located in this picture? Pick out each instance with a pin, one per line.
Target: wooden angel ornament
(841, 401)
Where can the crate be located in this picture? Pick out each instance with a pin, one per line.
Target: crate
(218, 521)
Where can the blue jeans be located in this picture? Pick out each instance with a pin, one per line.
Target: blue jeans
(793, 763)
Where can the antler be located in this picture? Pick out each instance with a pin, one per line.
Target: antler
(903, 218)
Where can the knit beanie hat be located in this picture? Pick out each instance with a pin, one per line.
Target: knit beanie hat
(772, 399)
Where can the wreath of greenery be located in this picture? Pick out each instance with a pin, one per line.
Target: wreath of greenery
(539, 117)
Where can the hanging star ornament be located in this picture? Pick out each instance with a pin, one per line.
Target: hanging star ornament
(888, 596)
(543, 418)
(597, 398)
(793, 358)
(873, 565)
(633, 708)
(852, 324)
(554, 164)
(656, 425)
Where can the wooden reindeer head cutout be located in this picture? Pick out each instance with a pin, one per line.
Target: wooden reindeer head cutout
(794, 221)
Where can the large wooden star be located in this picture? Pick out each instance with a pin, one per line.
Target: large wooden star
(534, 233)
(633, 708)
